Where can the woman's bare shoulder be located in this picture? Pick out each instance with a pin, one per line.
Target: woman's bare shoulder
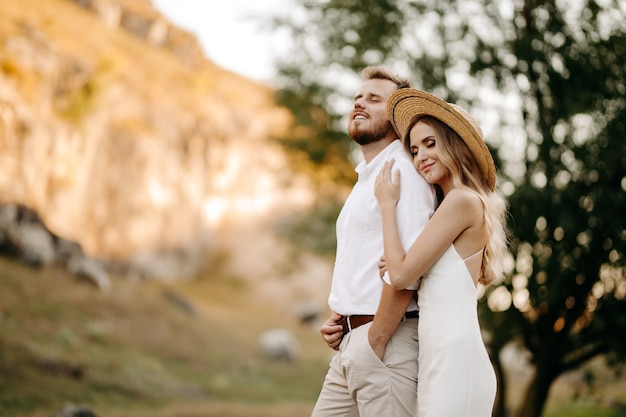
(463, 198)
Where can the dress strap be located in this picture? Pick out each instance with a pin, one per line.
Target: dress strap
(472, 256)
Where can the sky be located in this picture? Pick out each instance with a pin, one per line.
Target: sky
(229, 32)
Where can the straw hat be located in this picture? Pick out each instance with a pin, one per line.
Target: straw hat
(408, 104)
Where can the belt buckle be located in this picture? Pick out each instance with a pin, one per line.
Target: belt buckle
(349, 323)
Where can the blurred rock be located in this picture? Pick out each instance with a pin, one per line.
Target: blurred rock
(35, 243)
(279, 344)
(71, 410)
(308, 313)
(24, 236)
(90, 270)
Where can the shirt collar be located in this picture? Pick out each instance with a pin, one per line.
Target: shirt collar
(365, 170)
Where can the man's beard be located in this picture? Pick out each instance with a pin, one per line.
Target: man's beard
(364, 137)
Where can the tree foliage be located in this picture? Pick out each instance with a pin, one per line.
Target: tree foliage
(569, 236)
(552, 72)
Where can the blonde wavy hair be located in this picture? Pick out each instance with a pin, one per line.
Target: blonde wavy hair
(455, 155)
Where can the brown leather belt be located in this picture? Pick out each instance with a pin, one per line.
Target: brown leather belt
(356, 320)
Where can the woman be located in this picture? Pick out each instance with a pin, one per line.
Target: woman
(461, 246)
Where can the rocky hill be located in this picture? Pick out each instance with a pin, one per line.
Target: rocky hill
(125, 139)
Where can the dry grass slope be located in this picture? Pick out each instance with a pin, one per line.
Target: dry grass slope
(133, 352)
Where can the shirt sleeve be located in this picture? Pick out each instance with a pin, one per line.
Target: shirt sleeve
(414, 209)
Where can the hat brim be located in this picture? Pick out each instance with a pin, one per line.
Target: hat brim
(406, 105)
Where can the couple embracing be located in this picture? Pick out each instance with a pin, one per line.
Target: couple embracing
(421, 229)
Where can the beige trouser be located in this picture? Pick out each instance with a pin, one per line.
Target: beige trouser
(358, 384)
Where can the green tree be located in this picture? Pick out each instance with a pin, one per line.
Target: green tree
(568, 62)
(552, 73)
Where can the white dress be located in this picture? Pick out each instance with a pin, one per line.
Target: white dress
(456, 377)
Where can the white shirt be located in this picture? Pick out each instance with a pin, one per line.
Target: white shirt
(356, 286)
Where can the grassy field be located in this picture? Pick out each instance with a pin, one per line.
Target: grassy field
(135, 352)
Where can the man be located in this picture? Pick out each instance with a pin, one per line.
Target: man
(373, 327)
